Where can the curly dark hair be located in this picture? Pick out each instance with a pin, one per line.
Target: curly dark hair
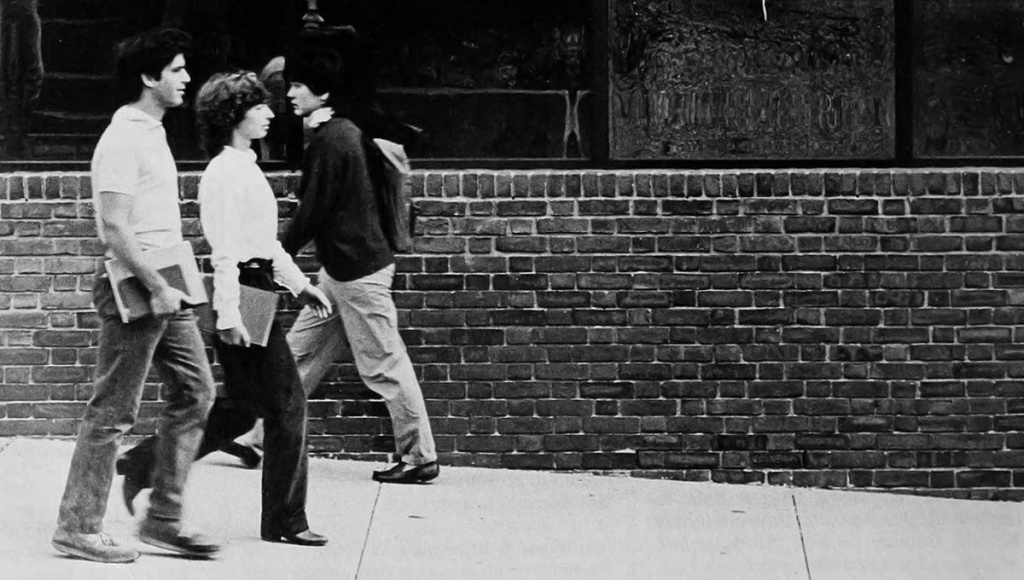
(222, 103)
(147, 53)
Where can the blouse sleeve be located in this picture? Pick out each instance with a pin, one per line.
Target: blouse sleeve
(218, 202)
(286, 272)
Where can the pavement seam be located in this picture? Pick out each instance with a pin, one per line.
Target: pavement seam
(369, 526)
(803, 544)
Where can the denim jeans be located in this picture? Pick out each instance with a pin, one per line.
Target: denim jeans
(366, 318)
(174, 347)
(259, 382)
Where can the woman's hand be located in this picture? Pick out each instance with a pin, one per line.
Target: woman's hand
(314, 298)
(237, 336)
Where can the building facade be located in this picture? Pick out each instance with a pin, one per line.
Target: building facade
(735, 241)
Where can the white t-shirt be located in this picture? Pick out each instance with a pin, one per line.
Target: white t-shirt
(238, 211)
(132, 158)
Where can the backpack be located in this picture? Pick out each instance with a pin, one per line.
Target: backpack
(389, 171)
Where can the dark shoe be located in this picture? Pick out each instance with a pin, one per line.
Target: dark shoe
(249, 456)
(133, 483)
(405, 473)
(169, 536)
(303, 538)
(95, 547)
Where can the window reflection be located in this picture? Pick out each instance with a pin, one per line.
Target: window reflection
(691, 80)
(508, 81)
(968, 78)
(21, 71)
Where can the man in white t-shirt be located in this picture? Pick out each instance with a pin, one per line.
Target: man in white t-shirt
(135, 185)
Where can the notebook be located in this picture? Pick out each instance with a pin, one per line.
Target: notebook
(257, 307)
(176, 263)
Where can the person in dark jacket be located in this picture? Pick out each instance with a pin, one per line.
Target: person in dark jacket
(338, 212)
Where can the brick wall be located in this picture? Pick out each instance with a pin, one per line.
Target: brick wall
(835, 329)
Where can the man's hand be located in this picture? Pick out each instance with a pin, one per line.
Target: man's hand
(166, 301)
(237, 336)
(314, 298)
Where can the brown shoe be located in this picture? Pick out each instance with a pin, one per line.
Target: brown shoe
(96, 547)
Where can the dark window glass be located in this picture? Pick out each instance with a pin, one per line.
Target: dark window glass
(486, 80)
(968, 78)
(57, 73)
(687, 80)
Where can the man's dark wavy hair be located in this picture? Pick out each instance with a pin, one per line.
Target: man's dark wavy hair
(222, 103)
(147, 53)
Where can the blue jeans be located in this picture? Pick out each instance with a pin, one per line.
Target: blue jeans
(174, 346)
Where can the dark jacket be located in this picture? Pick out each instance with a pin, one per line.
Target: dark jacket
(337, 205)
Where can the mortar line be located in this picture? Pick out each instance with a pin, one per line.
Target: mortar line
(369, 526)
(803, 544)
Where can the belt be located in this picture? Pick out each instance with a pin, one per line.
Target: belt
(256, 264)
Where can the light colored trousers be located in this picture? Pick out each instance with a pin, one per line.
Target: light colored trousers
(365, 317)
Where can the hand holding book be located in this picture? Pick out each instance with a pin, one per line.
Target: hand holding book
(257, 307)
(184, 287)
(166, 301)
(237, 336)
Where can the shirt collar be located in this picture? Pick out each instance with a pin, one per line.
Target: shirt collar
(133, 114)
(245, 155)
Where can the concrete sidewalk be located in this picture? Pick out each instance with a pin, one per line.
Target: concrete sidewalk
(483, 524)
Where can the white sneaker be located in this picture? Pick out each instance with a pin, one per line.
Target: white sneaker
(96, 547)
(168, 535)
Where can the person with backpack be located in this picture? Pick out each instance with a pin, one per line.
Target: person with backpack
(339, 212)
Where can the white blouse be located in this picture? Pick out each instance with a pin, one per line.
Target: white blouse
(238, 212)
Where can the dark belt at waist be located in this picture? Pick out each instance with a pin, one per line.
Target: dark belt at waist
(257, 272)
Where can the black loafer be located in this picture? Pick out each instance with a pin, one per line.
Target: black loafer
(248, 454)
(303, 538)
(403, 473)
(132, 485)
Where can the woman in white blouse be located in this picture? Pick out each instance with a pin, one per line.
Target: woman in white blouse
(238, 212)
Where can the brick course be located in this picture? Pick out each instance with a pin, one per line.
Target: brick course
(814, 328)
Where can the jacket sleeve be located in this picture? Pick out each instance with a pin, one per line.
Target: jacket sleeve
(322, 174)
